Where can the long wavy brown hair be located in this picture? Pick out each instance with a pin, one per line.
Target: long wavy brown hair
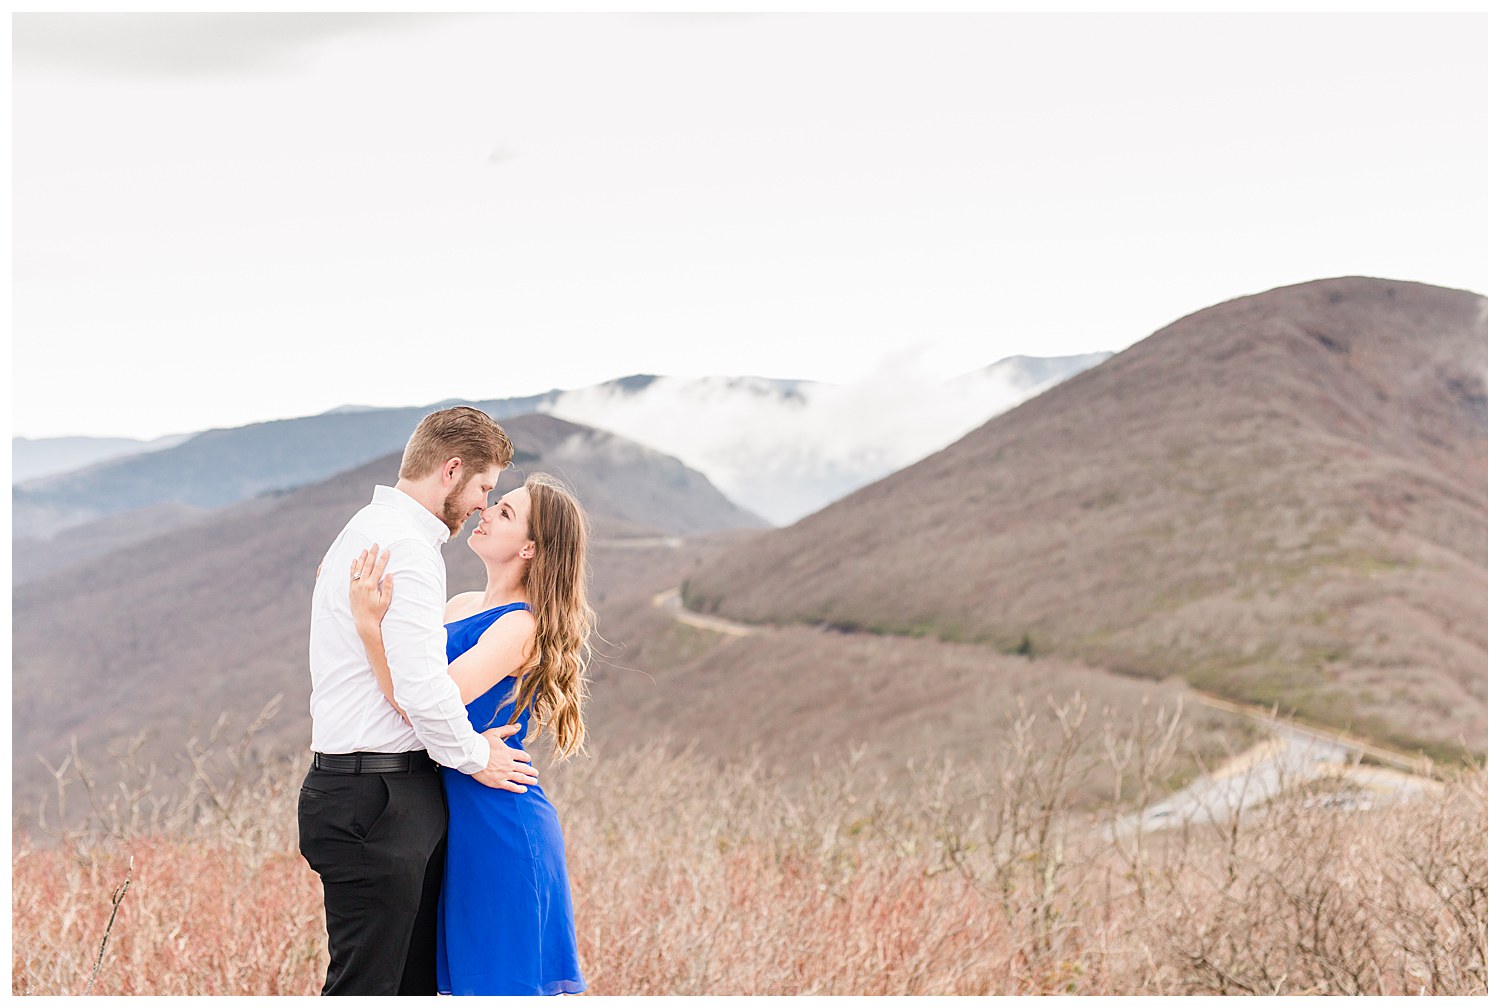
(553, 678)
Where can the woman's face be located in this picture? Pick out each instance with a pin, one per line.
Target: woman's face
(501, 532)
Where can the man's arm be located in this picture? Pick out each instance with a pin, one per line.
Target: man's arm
(416, 649)
(417, 653)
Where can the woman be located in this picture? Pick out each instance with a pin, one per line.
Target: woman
(505, 917)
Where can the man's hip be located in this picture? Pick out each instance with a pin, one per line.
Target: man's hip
(357, 809)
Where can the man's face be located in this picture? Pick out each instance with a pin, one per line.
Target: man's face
(469, 494)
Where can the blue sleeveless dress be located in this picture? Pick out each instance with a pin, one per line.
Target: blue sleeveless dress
(505, 916)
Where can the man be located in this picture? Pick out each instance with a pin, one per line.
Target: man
(371, 817)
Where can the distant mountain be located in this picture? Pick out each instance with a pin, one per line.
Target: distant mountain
(625, 481)
(168, 632)
(779, 448)
(631, 482)
(1281, 499)
(219, 467)
(1036, 372)
(34, 558)
(32, 458)
(786, 448)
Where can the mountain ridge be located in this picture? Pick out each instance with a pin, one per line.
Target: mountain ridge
(777, 447)
(586, 457)
(37, 458)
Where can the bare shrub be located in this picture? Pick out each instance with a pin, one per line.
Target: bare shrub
(222, 787)
(1311, 896)
(690, 877)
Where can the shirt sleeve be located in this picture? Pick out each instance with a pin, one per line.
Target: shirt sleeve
(416, 649)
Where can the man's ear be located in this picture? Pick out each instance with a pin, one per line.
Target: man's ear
(452, 470)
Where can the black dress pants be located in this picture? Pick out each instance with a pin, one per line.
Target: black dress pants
(377, 841)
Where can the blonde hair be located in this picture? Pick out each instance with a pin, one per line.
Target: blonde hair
(552, 679)
(461, 432)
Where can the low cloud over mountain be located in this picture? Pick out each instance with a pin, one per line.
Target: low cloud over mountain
(784, 449)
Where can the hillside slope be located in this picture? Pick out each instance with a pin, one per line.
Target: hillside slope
(1281, 499)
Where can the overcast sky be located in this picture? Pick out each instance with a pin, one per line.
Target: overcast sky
(219, 219)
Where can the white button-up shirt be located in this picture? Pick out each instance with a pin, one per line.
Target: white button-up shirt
(349, 713)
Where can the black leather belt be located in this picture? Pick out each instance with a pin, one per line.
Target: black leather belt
(374, 762)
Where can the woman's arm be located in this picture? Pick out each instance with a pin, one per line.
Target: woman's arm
(500, 651)
(369, 598)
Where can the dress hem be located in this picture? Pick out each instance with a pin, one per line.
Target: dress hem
(546, 990)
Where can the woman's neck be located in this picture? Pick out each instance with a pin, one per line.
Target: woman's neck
(502, 586)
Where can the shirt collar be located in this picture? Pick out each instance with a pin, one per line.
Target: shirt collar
(429, 523)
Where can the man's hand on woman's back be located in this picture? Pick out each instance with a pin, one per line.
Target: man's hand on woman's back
(508, 769)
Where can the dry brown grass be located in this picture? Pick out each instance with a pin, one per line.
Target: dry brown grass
(691, 878)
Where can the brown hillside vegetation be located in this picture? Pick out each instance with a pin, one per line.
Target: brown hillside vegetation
(796, 698)
(1281, 499)
(694, 880)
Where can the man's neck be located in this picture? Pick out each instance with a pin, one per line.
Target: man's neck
(425, 495)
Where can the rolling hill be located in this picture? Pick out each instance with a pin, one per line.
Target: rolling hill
(1280, 499)
(33, 458)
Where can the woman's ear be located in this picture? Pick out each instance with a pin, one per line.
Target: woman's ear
(528, 551)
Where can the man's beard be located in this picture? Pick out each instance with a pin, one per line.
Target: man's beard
(453, 516)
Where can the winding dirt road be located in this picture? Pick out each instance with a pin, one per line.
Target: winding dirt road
(1295, 755)
(671, 601)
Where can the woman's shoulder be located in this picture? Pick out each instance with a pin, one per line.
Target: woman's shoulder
(508, 638)
(518, 619)
(515, 626)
